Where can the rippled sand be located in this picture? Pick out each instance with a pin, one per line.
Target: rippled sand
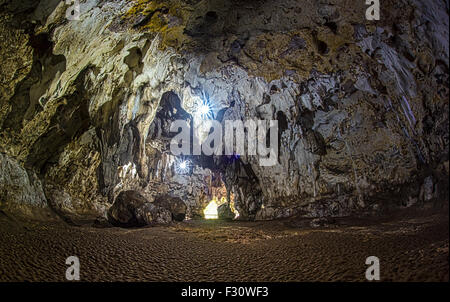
(410, 249)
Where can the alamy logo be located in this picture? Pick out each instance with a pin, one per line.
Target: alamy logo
(209, 138)
(373, 271)
(373, 11)
(73, 272)
(73, 11)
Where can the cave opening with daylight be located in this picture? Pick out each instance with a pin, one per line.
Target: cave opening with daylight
(210, 211)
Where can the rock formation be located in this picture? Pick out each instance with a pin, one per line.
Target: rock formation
(174, 205)
(130, 209)
(224, 212)
(86, 105)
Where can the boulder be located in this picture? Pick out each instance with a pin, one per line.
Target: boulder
(101, 223)
(152, 214)
(131, 209)
(322, 222)
(173, 204)
(224, 212)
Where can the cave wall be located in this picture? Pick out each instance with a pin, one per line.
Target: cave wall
(363, 104)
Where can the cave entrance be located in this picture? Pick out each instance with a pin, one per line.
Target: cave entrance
(219, 207)
(210, 199)
(210, 211)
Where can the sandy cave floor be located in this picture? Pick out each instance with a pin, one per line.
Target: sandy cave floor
(410, 248)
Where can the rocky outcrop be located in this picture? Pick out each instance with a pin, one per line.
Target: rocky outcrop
(362, 106)
(224, 212)
(173, 204)
(131, 209)
(21, 191)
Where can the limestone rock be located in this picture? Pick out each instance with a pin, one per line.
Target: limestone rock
(173, 204)
(131, 209)
(362, 107)
(21, 191)
(224, 212)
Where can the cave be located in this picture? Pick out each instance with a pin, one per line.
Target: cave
(224, 141)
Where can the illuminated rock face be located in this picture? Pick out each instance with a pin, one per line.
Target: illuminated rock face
(362, 106)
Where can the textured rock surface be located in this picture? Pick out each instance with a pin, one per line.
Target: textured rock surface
(173, 204)
(363, 106)
(21, 191)
(224, 212)
(131, 209)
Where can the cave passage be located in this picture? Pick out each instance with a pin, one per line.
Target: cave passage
(211, 210)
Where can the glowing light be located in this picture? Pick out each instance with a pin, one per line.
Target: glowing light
(182, 166)
(203, 110)
(210, 211)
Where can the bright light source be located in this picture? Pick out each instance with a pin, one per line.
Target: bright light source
(182, 166)
(203, 110)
